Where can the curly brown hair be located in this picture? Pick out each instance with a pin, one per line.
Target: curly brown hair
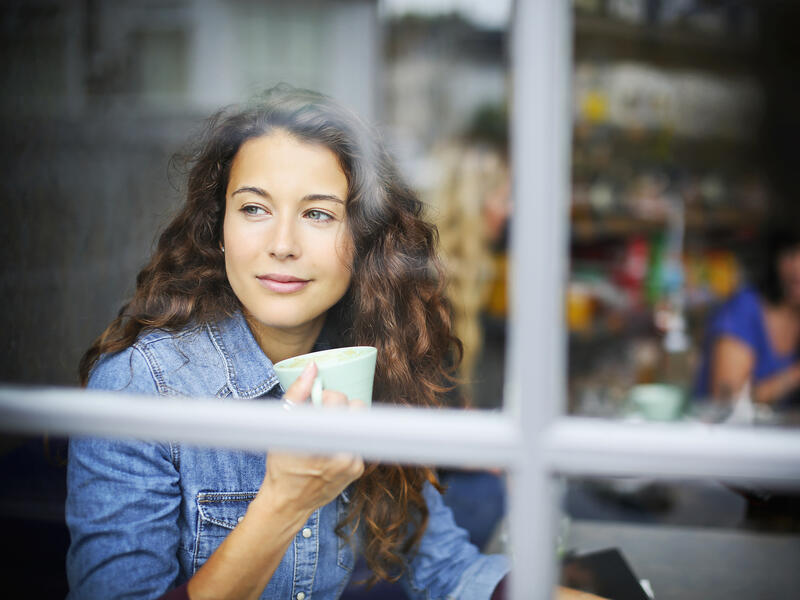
(395, 302)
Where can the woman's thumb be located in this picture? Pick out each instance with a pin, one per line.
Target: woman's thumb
(300, 390)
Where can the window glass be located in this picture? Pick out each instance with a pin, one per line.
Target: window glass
(683, 227)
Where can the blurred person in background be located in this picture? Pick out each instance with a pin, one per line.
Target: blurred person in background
(471, 206)
(754, 338)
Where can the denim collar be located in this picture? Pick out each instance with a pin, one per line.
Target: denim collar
(249, 371)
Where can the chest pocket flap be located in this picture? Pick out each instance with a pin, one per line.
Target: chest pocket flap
(219, 513)
(225, 509)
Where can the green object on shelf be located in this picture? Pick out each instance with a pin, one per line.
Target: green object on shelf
(653, 284)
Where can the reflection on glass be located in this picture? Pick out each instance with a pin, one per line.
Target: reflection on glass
(681, 301)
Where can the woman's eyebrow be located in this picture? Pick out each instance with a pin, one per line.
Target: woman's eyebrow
(317, 197)
(252, 189)
(265, 194)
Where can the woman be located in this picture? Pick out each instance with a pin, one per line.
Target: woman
(297, 234)
(753, 339)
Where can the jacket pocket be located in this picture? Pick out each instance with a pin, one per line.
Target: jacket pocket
(217, 514)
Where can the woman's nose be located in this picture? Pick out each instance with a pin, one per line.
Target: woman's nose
(284, 243)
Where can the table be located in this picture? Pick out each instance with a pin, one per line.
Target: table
(688, 563)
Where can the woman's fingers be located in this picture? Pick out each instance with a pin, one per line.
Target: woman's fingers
(351, 466)
(357, 468)
(300, 391)
(332, 398)
(357, 404)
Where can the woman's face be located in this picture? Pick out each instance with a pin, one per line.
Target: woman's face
(288, 250)
(789, 273)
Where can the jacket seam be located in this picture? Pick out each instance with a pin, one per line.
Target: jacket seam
(175, 455)
(230, 372)
(155, 371)
(198, 524)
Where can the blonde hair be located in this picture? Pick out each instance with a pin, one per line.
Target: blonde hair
(469, 174)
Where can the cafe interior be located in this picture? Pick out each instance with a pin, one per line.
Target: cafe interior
(680, 302)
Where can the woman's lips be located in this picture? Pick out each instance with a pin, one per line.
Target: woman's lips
(282, 284)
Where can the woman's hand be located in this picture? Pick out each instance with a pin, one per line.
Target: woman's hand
(295, 482)
(293, 487)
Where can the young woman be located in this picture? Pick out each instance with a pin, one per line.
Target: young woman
(754, 338)
(297, 234)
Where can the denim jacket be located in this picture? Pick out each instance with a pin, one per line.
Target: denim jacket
(144, 516)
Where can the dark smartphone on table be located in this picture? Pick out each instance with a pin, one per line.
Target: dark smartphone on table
(605, 573)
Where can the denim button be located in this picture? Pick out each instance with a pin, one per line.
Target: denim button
(300, 596)
(307, 532)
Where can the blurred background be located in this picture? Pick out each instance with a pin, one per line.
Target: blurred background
(684, 157)
(98, 95)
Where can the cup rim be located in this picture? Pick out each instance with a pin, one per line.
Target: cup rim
(280, 364)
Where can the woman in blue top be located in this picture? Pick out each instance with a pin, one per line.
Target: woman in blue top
(296, 234)
(755, 336)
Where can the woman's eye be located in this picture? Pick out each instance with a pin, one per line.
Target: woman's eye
(318, 215)
(253, 210)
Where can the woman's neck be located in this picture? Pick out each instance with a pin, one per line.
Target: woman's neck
(279, 343)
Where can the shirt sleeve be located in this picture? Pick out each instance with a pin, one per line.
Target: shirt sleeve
(740, 318)
(446, 564)
(123, 502)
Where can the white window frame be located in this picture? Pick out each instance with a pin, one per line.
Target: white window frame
(531, 437)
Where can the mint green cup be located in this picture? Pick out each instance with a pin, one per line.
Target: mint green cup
(347, 370)
(658, 401)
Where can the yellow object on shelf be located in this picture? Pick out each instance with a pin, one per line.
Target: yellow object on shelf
(497, 303)
(579, 308)
(722, 273)
(594, 107)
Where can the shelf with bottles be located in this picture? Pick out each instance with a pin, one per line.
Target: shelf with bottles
(642, 104)
(607, 146)
(675, 33)
(607, 207)
(622, 290)
(606, 363)
(723, 223)
(667, 189)
(682, 107)
(645, 140)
